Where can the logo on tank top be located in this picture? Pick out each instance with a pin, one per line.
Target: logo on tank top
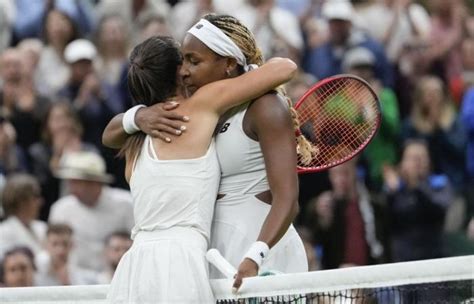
(224, 127)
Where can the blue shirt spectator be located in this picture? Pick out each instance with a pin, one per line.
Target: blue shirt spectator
(326, 60)
(33, 12)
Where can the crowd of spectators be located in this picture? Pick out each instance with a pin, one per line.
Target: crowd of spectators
(66, 211)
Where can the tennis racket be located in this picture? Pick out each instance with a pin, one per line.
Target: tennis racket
(338, 116)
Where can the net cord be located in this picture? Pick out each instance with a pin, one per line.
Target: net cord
(395, 274)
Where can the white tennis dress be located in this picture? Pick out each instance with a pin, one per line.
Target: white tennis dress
(173, 207)
(239, 215)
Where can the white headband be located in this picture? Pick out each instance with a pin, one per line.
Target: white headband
(216, 40)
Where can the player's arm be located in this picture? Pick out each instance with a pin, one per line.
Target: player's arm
(157, 121)
(273, 126)
(223, 95)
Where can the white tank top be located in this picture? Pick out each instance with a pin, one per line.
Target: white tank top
(240, 158)
(170, 193)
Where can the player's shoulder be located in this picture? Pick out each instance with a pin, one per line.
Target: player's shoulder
(271, 105)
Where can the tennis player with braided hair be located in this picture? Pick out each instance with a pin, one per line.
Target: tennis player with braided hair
(174, 186)
(256, 148)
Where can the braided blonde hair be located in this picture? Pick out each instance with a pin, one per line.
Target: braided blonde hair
(246, 42)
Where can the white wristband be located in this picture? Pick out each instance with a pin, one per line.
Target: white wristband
(128, 120)
(257, 252)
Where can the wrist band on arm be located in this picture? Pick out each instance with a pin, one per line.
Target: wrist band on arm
(128, 120)
(257, 252)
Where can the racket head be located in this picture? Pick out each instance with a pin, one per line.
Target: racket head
(339, 116)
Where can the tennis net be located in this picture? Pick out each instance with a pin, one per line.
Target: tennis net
(447, 280)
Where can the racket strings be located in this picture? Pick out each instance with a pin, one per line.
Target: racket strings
(338, 118)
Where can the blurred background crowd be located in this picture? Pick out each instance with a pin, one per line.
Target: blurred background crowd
(66, 209)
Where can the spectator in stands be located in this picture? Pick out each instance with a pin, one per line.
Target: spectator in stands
(95, 100)
(395, 24)
(61, 133)
(21, 200)
(12, 157)
(116, 245)
(53, 72)
(326, 60)
(383, 148)
(434, 118)
(458, 86)
(7, 17)
(403, 28)
(57, 268)
(153, 24)
(132, 10)
(17, 268)
(30, 16)
(444, 55)
(113, 43)
(25, 107)
(10, 73)
(92, 210)
(348, 225)
(276, 30)
(186, 13)
(417, 204)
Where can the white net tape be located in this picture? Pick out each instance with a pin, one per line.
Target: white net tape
(396, 274)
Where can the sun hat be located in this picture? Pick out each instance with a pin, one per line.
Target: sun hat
(83, 165)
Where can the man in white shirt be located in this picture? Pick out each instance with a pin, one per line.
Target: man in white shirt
(93, 210)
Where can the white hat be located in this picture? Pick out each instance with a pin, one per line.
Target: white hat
(338, 9)
(357, 56)
(83, 165)
(79, 49)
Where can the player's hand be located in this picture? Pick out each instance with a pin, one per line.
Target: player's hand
(247, 268)
(160, 121)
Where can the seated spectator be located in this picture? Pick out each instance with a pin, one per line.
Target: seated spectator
(92, 210)
(93, 99)
(113, 43)
(383, 148)
(61, 133)
(434, 119)
(21, 200)
(186, 13)
(326, 59)
(459, 85)
(116, 245)
(153, 24)
(12, 156)
(348, 224)
(57, 268)
(7, 17)
(276, 30)
(17, 268)
(417, 204)
(53, 72)
(21, 102)
(132, 11)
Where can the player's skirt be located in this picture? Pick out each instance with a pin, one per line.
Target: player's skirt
(165, 266)
(236, 226)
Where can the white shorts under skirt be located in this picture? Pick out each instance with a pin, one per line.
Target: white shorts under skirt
(236, 226)
(166, 266)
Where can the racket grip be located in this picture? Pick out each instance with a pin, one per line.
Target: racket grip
(214, 257)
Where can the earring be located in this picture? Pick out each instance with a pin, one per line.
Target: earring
(227, 73)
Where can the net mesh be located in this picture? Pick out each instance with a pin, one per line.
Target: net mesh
(446, 292)
(339, 118)
(448, 280)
